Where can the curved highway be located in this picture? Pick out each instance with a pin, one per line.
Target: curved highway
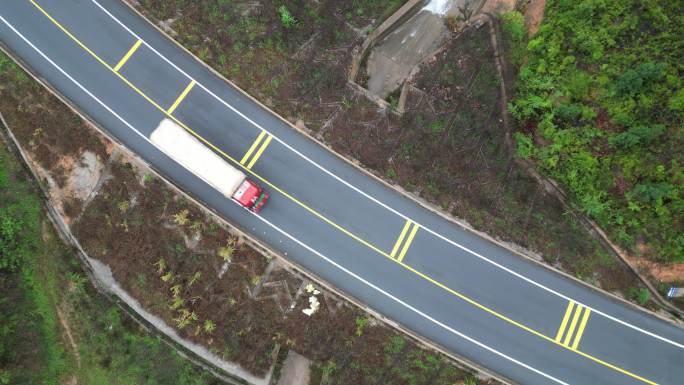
(472, 297)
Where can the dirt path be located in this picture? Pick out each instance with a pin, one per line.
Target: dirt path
(69, 337)
(665, 273)
(499, 6)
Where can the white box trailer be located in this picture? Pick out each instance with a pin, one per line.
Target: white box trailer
(187, 150)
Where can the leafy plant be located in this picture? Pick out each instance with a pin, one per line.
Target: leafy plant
(196, 225)
(524, 147)
(161, 265)
(19, 224)
(195, 277)
(147, 178)
(637, 136)
(640, 295)
(395, 345)
(77, 282)
(185, 318)
(209, 326)
(176, 303)
(175, 289)
(361, 323)
(391, 173)
(286, 18)
(437, 127)
(168, 277)
(181, 217)
(226, 252)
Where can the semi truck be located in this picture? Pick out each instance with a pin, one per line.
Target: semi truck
(187, 150)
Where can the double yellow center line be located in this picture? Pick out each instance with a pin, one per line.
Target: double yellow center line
(403, 239)
(259, 140)
(573, 328)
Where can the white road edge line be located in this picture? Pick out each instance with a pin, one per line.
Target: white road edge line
(388, 295)
(529, 280)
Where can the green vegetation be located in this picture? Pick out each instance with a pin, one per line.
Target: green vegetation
(639, 295)
(601, 101)
(18, 222)
(54, 327)
(513, 26)
(286, 17)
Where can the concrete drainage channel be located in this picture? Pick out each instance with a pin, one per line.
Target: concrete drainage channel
(407, 38)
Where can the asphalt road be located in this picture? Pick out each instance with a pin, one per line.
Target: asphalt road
(472, 297)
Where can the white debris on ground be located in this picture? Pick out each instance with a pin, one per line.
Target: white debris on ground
(314, 303)
(438, 7)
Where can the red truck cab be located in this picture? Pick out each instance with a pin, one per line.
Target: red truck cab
(250, 196)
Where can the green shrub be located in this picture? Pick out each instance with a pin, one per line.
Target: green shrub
(515, 34)
(524, 147)
(637, 136)
(640, 295)
(286, 18)
(514, 25)
(19, 224)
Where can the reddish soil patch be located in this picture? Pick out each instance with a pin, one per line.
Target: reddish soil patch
(665, 273)
(499, 6)
(534, 14)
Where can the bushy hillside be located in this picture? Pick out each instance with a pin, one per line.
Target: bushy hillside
(600, 106)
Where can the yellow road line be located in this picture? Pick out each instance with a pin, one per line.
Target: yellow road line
(566, 317)
(580, 330)
(261, 150)
(401, 238)
(181, 97)
(254, 146)
(573, 323)
(407, 244)
(128, 55)
(333, 224)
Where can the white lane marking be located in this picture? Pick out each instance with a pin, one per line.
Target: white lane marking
(357, 277)
(494, 263)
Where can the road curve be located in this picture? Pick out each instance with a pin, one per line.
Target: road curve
(472, 297)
